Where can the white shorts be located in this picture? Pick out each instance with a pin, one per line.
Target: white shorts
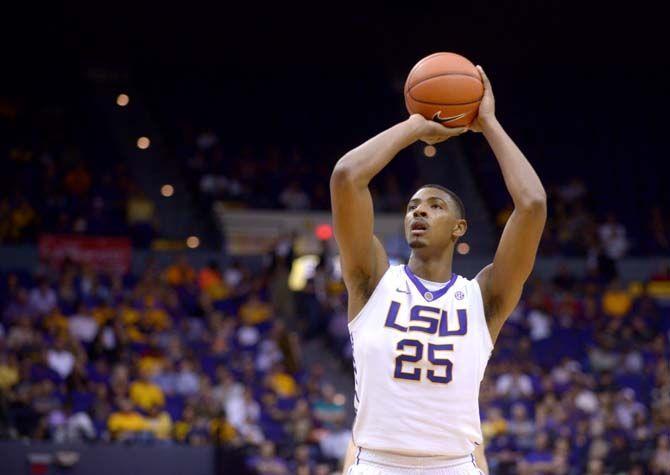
(374, 462)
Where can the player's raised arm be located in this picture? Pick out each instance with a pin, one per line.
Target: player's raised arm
(502, 281)
(362, 256)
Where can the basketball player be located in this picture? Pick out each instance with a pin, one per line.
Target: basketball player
(421, 334)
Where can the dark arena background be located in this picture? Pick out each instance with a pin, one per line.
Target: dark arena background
(170, 292)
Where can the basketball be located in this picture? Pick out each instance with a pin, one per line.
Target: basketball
(446, 88)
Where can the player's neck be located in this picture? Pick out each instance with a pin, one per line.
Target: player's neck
(433, 268)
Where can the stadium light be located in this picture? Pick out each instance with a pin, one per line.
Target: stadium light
(167, 190)
(122, 100)
(463, 248)
(323, 232)
(193, 242)
(429, 151)
(143, 143)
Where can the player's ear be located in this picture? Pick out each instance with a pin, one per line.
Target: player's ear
(460, 228)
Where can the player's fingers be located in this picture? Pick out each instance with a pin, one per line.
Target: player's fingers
(485, 78)
(432, 140)
(456, 130)
(444, 131)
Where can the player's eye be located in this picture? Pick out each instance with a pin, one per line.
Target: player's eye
(436, 206)
(411, 207)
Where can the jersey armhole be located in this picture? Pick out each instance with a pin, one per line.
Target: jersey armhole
(357, 319)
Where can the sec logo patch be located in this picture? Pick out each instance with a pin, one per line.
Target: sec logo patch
(459, 295)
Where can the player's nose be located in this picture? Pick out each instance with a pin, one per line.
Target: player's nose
(419, 211)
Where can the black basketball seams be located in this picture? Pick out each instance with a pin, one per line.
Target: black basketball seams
(409, 88)
(443, 104)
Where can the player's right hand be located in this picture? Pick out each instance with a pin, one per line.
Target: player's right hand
(431, 132)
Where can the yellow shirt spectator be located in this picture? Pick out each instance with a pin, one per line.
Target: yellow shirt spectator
(255, 311)
(494, 426)
(56, 322)
(9, 376)
(222, 431)
(181, 430)
(146, 395)
(616, 302)
(180, 273)
(284, 385)
(120, 422)
(150, 365)
(160, 424)
(102, 314)
(130, 315)
(211, 282)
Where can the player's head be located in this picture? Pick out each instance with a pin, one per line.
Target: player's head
(435, 217)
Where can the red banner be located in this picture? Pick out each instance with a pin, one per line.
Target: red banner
(109, 254)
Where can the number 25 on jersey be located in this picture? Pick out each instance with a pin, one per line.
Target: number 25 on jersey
(413, 350)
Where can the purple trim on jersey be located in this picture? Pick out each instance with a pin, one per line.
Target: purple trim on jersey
(353, 360)
(423, 290)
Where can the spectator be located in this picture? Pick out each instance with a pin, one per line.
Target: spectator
(126, 422)
(159, 423)
(187, 382)
(71, 427)
(282, 383)
(539, 322)
(78, 181)
(613, 237)
(83, 326)
(572, 191)
(255, 311)
(180, 273)
(541, 459)
(301, 462)
(494, 424)
(328, 408)
(144, 393)
(521, 427)
(293, 197)
(60, 359)
(616, 300)
(9, 372)
(42, 299)
(140, 215)
(660, 462)
(267, 462)
(334, 442)
(515, 384)
(212, 283)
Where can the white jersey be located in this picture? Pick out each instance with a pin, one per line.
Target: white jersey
(419, 357)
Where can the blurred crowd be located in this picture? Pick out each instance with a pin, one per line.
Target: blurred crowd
(273, 176)
(574, 228)
(56, 181)
(579, 381)
(60, 184)
(176, 355)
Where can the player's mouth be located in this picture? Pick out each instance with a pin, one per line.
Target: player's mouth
(418, 228)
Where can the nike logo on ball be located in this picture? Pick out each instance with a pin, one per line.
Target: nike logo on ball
(444, 120)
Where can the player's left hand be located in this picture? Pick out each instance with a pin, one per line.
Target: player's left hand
(431, 132)
(487, 108)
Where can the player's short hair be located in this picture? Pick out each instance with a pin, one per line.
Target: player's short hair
(454, 196)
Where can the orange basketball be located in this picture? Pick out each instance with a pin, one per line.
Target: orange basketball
(446, 88)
